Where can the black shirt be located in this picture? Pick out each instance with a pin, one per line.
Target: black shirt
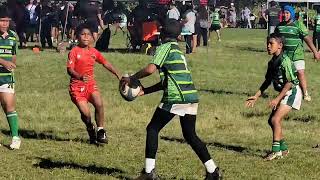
(273, 16)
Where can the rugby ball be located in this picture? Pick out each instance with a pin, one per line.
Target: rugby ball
(130, 91)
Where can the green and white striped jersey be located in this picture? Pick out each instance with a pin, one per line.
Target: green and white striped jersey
(175, 75)
(8, 48)
(294, 34)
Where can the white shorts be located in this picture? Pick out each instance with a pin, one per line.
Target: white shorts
(300, 65)
(7, 88)
(293, 98)
(180, 109)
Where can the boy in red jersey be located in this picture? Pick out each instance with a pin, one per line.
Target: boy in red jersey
(83, 87)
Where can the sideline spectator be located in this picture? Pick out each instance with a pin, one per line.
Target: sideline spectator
(204, 25)
(32, 26)
(272, 17)
(246, 15)
(233, 16)
(173, 12)
(189, 26)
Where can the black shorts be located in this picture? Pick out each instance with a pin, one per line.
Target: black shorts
(215, 27)
(94, 26)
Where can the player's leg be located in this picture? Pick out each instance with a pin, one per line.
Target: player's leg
(96, 101)
(188, 124)
(86, 119)
(275, 121)
(159, 120)
(300, 66)
(8, 103)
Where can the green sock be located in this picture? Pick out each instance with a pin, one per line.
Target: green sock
(275, 146)
(283, 145)
(12, 118)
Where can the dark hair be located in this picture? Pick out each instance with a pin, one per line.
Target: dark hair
(277, 37)
(203, 14)
(273, 3)
(171, 29)
(80, 28)
(4, 12)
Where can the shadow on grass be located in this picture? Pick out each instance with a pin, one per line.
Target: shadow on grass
(92, 169)
(305, 119)
(254, 114)
(249, 48)
(46, 135)
(223, 92)
(238, 149)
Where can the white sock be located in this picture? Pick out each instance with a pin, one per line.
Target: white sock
(98, 128)
(210, 166)
(150, 165)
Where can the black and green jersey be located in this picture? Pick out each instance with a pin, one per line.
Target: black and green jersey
(215, 18)
(280, 71)
(8, 48)
(175, 75)
(294, 34)
(317, 23)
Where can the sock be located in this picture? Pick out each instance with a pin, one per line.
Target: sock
(12, 118)
(283, 145)
(150, 165)
(275, 146)
(99, 128)
(210, 166)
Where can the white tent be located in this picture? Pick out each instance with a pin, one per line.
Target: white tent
(297, 1)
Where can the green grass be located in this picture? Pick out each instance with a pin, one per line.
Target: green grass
(54, 137)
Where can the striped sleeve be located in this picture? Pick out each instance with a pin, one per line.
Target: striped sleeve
(161, 54)
(303, 31)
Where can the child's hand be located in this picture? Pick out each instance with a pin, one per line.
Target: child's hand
(274, 104)
(9, 65)
(141, 93)
(251, 101)
(317, 56)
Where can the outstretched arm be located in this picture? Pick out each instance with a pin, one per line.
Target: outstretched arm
(250, 102)
(113, 70)
(147, 71)
(310, 44)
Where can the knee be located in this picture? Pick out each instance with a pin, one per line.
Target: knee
(99, 106)
(275, 121)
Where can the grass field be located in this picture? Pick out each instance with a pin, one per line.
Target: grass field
(54, 138)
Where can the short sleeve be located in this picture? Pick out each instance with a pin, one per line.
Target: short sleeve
(71, 59)
(303, 31)
(99, 58)
(161, 54)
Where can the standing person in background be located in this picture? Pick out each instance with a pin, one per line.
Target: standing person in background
(32, 26)
(90, 13)
(272, 16)
(233, 16)
(45, 13)
(189, 27)
(173, 12)
(246, 14)
(22, 19)
(204, 25)
(316, 32)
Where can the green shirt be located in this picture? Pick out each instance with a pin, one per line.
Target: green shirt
(317, 23)
(175, 75)
(215, 18)
(294, 34)
(8, 48)
(280, 71)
